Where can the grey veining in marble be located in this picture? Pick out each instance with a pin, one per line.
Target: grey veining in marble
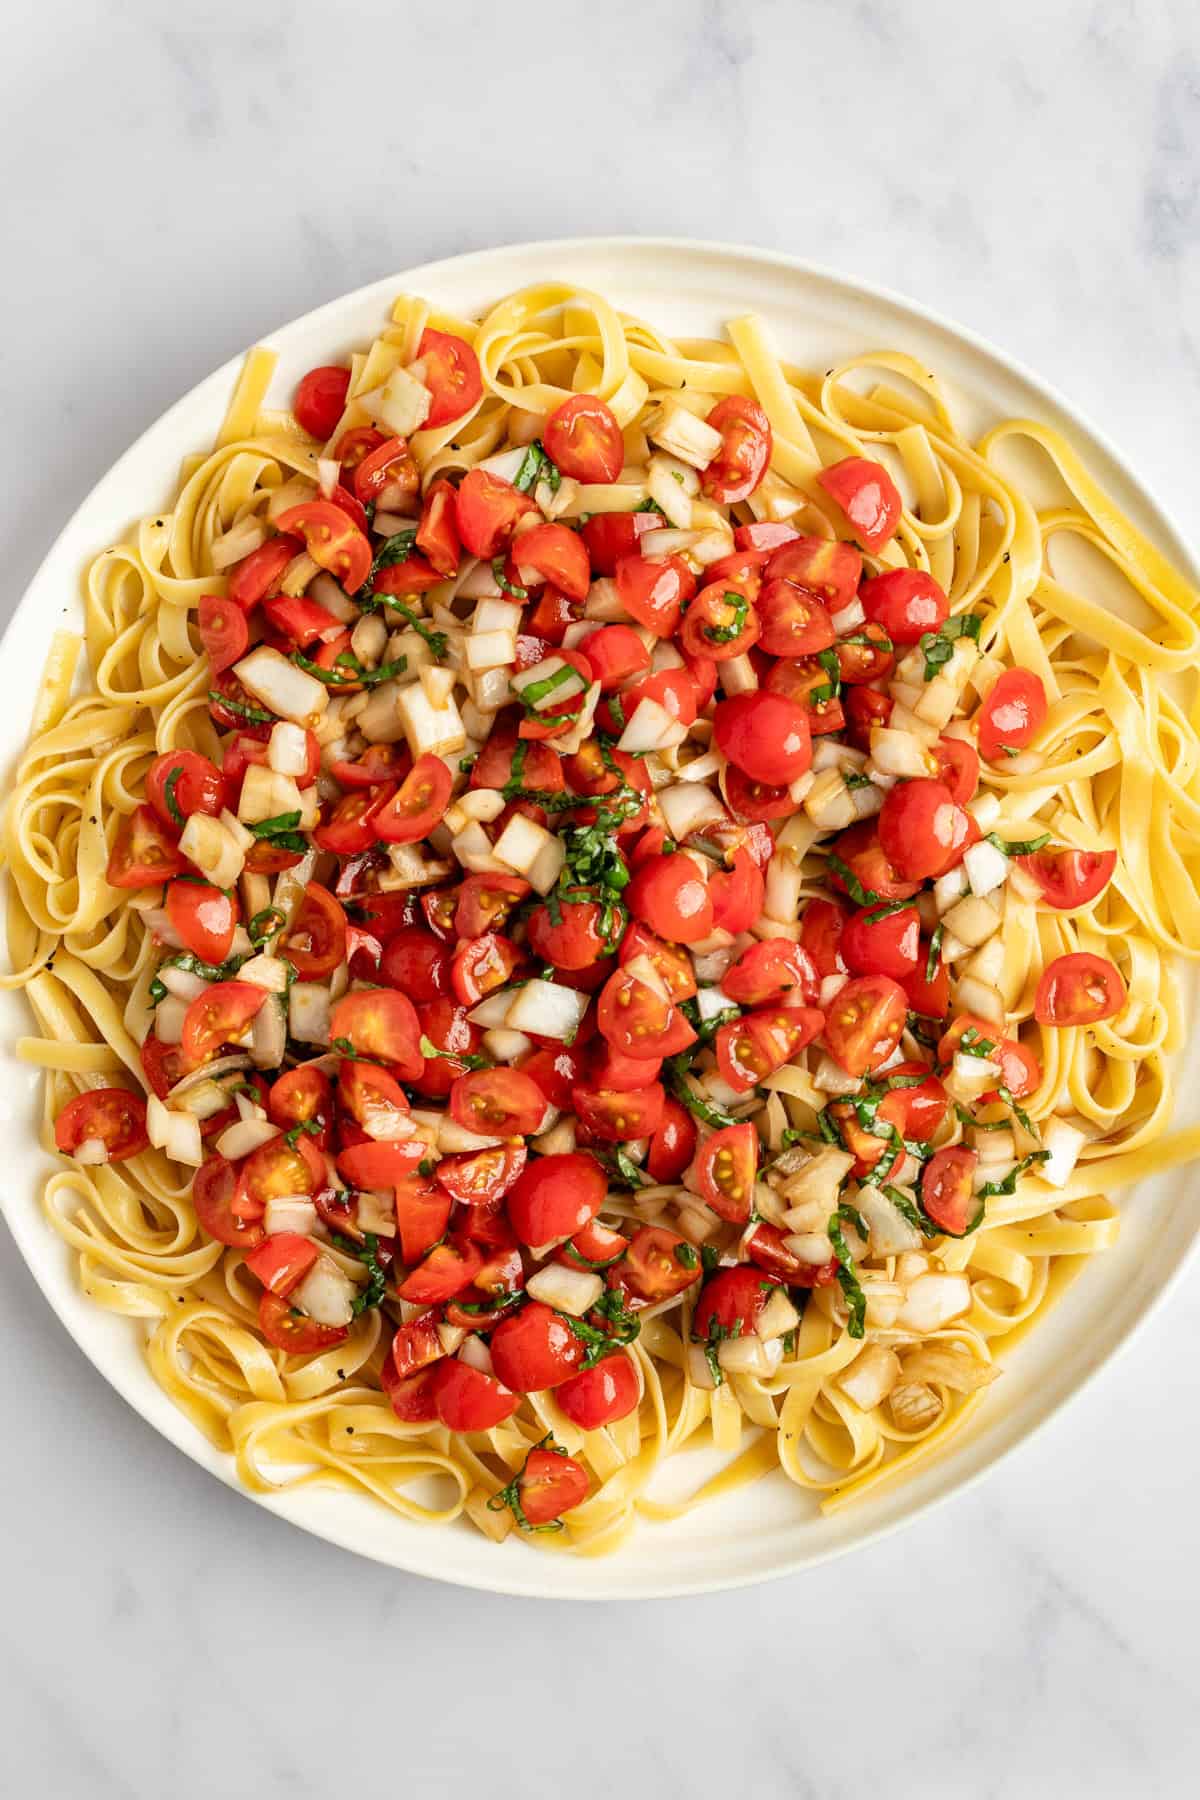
(178, 179)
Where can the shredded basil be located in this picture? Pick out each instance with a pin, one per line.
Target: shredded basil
(934, 960)
(437, 640)
(538, 690)
(991, 1189)
(373, 1293)
(510, 1496)
(856, 1300)
(536, 466)
(937, 647)
(429, 1049)
(1018, 846)
(861, 896)
(242, 708)
(725, 634)
(681, 1087)
(612, 1309)
(503, 583)
(169, 786)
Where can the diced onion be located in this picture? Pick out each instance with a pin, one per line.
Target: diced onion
(325, 1294)
(568, 1290)
(245, 1135)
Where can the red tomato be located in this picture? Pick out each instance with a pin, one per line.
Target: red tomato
(356, 443)
(350, 827)
(535, 1349)
(1019, 1068)
(948, 1191)
(741, 462)
(332, 540)
(214, 1191)
(1070, 878)
(282, 1261)
(770, 969)
(257, 575)
(411, 1397)
(164, 1065)
(482, 1178)
(418, 805)
(619, 1116)
(765, 735)
(203, 918)
(380, 1024)
(821, 566)
(446, 1270)
(634, 1019)
(730, 1304)
(287, 1329)
(497, 1103)
(417, 963)
(737, 894)
(541, 768)
(766, 535)
(556, 1071)
(821, 930)
(673, 689)
(906, 603)
(923, 831)
(277, 1169)
(469, 1400)
(721, 622)
(414, 1347)
(373, 1099)
(268, 859)
(916, 1112)
(610, 1390)
(582, 438)
(1012, 714)
(957, 768)
(806, 682)
(726, 1167)
(575, 941)
(301, 620)
(887, 944)
(767, 1250)
(612, 1072)
(189, 781)
(422, 1214)
(486, 511)
(659, 1264)
(751, 1048)
(219, 1016)
(556, 1195)
(610, 536)
(864, 1022)
(674, 965)
(315, 942)
(452, 376)
(794, 622)
(243, 751)
(670, 895)
(143, 855)
(111, 1116)
(550, 1484)
(760, 801)
(350, 506)
(321, 400)
(481, 965)
(301, 1095)
(223, 631)
(554, 720)
(616, 653)
(867, 496)
(865, 655)
(655, 593)
(437, 534)
(1079, 990)
(860, 850)
(551, 616)
(388, 465)
(673, 1144)
(928, 996)
(865, 708)
(557, 554)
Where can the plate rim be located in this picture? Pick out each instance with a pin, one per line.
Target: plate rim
(176, 1427)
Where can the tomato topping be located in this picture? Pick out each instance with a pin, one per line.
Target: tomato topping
(576, 940)
(616, 653)
(282, 1261)
(741, 462)
(287, 1329)
(203, 918)
(257, 575)
(452, 375)
(315, 942)
(387, 465)
(610, 1390)
(321, 400)
(541, 765)
(721, 622)
(670, 895)
(111, 1116)
(867, 496)
(373, 1099)
(1080, 989)
(417, 963)
(486, 511)
(422, 1214)
(673, 1144)
(1012, 714)
(737, 894)
(767, 1249)
(448, 1029)
(214, 1194)
(485, 901)
(535, 1349)
(220, 1015)
(481, 965)
(382, 1025)
(883, 943)
(919, 1111)
(673, 965)
(277, 1169)
(636, 1020)
(143, 854)
(766, 735)
(582, 438)
(948, 1191)
(483, 1177)
(864, 1022)
(355, 444)
(414, 1347)
(556, 1195)
(411, 1396)
(610, 536)
(808, 684)
(556, 1071)
(824, 567)
(621, 1115)
(923, 831)
(906, 603)
(550, 1484)
(557, 554)
(928, 995)
(223, 631)
(437, 533)
(770, 969)
(412, 812)
(1070, 878)
(299, 1096)
(332, 540)
(726, 1167)
(350, 827)
(469, 1400)
(497, 1103)
(655, 593)
(821, 927)
(1019, 1068)
(730, 1305)
(794, 622)
(751, 1048)
(761, 801)
(862, 854)
(182, 782)
(659, 1264)
(673, 689)
(445, 1271)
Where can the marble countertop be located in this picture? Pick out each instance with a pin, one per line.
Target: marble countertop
(179, 180)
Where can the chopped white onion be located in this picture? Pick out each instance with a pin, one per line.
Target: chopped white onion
(244, 1136)
(325, 1294)
(568, 1290)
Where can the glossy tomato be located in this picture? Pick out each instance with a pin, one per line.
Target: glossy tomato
(771, 969)
(610, 1390)
(726, 1168)
(221, 1210)
(867, 496)
(864, 1022)
(380, 1024)
(923, 831)
(331, 539)
(673, 1144)
(1070, 878)
(486, 511)
(535, 1349)
(257, 575)
(143, 854)
(452, 375)
(320, 400)
(659, 1264)
(906, 603)
(203, 918)
(111, 1117)
(467, 1399)
(766, 735)
(822, 566)
(497, 1103)
(220, 1015)
(948, 1191)
(288, 1329)
(418, 804)
(556, 1195)
(618, 1116)
(582, 437)
(876, 942)
(1012, 714)
(670, 895)
(655, 593)
(223, 631)
(1080, 989)
(721, 622)
(315, 942)
(730, 1304)
(745, 452)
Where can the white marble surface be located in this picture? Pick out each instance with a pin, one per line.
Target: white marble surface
(179, 179)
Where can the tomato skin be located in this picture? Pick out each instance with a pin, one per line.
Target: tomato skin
(616, 653)
(674, 965)
(257, 575)
(718, 610)
(556, 554)
(1070, 878)
(916, 1112)
(555, 1196)
(670, 895)
(865, 707)
(332, 540)
(655, 593)
(861, 851)
(1019, 1068)
(867, 496)
(610, 536)
(386, 464)
(751, 1048)
(759, 801)
(771, 969)
(658, 1264)
(947, 1190)
(422, 1214)
(445, 1271)
(737, 894)
(350, 827)
(497, 1103)
(766, 735)
(610, 1390)
(535, 1349)
(355, 444)
(674, 690)
(794, 623)
(822, 566)
(288, 1330)
(320, 400)
(1013, 713)
(745, 452)
(379, 1166)
(382, 1025)
(411, 1396)
(583, 439)
(114, 1115)
(219, 1016)
(203, 917)
(486, 511)
(906, 603)
(142, 854)
(765, 535)
(485, 901)
(414, 1347)
(437, 533)
(417, 963)
(890, 945)
(467, 1399)
(282, 1261)
(733, 1301)
(302, 1094)
(957, 768)
(862, 662)
(618, 1116)
(418, 805)
(214, 1190)
(315, 943)
(482, 964)
(634, 1020)
(821, 928)
(767, 1251)
(452, 375)
(864, 1022)
(481, 1178)
(929, 998)
(199, 786)
(673, 1144)
(542, 767)
(550, 1484)
(301, 620)
(223, 631)
(726, 1166)
(575, 943)
(798, 679)
(922, 829)
(445, 1023)
(555, 1071)
(1080, 989)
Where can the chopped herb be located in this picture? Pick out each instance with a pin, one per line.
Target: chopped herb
(426, 1166)
(429, 1049)
(851, 778)
(828, 690)
(510, 1496)
(990, 1189)
(725, 634)
(538, 690)
(599, 1344)
(937, 647)
(345, 1048)
(1019, 1112)
(884, 910)
(934, 959)
(437, 640)
(907, 1210)
(243, 709)
(305, 1128)
(620, 1164)
(373, 1293)
(973, 1043)
(861, 896)
(503, 583)
(192, 965)
(1018, 846)
(650, 506)
(616, 710)
(467, 763)
(685, 1255)
(536, 467)
(675, 1070)
(263, 925)
(879, 641)
(856, 1300)
(169, 787)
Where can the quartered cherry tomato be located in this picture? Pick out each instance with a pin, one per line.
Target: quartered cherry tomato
(482, 1178)
(556, 554)
(220, 1015)
(1013, 713)
(794, 622)
(497, 1103)
(555, 1196)
(867, 496)
(112, 1117)
(258, 574)
(486, 511)
(721, 622)
(417, 963)
(610, 536)
(221, 1207)
(549, 1485)
(452, 376)
(350, 827)
(655, 593)
(1080, 989)
(575, 941)
(437, 534)
(315, 942)
(467, 1399)
(481, 965)
(380, 1024)
(730, 1304)
(864, 1022)
(737, 894)
(948, 1191)
(286, 1328)
(659, 1264)
(860, 851)
(745, 452)
(386, 465)
(418, 805)
(619, 1116)
(301, 1096)
(726, 1168)
(582, 438)
(223, 631)
(673, 1143)
(203, 918)
(917, 1111)
(766, 735)
(639, 1022)
(445, 1271)
(822, 566)
(1020, 1071)
(753, 1047)
(331, 539)
(1070, 878)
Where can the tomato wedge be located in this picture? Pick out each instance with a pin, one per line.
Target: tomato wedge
(582, 438)
(868, 497)
(315, 942)
(741, 462)
(282, 1261)
(1080, 989)
(332, 540)
(382, 1025)
(557, 554)
(726, 1168)
(112, 1118)
(203, 918)
(1070, 878)
(497, 1103)
(452, 375)
(286, 1328)
(223, 631)
(535, 1349)
(220, 1015)
(948, 1191)
(1013, 713)
(143, 854)
(418, 805)
(655, 593)
(257, 575)
(619, 1116)
(467, 1399)
(221, 1210)
(864, 1022)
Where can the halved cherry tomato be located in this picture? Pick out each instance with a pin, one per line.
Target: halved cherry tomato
(822, 566)
(446, 1025)
(481, 965)
(418, 805)
(726, 1167)
(486, 511)
(283, 1260)
(765, 735)
(948, 1191)
(437, 534)
(446, 1271)
(721, 622)
(610, 536)
(883, 943)
(143, 855)
(302, 620)
(751, 1048)
(380, 1024)
(674, 965)
(332, 540)
(288, 1329)
(730, 1304)
(411, 1396)
(1012, 714)
(741, 462)
(350, 827)
(923, 831)
(356, 443)
(414, 1347)
(635, 1020)
(821, 927)
(422, 1214)
(555, 1196)
(770, 970)
(761, 801)
(203, 918)
(673, 1144)
(467, 1399)
(767, 1249)
(214, 1193)
(554, 720)
(1020, 1071)
(655, 593)
(551, 616)
(219, 1016)
(1070, 878)
(864, 1022)
(659, 1264)
(616, 654)
(378, 763)
(483, 1177)
(670, 895)
(321, 400)
(575, 940)
(867, 496)
(861, 852)
(223, 631)
(417, 963)
(611, 1071)
(906, 603)
(582, 438)
(452, 376)
(315, 942)
(865, 708)
(917, 1111)
(556, 554)
(111, 1116)
(243, 751)
(278, 1169)
(618, 1116)
(164, 1065)
(596, 1246)
(266, 858)
(374, 1100)
(257, 575)
(535, 1349)
(389, 464)
(485, 901)
(497, 1103)
(411, 575)
(1080, 989)
(301, 1096)
(610, 1390)
(737, 894)
(550, 1484)
(673, 689)
(182, 782)
(794, 622)
(556, 1070)
(808, 684)
(928, 995)
(957, 767)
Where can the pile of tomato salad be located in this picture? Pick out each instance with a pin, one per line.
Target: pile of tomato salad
(591, 908)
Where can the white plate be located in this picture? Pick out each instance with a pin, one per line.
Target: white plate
(772, 1528)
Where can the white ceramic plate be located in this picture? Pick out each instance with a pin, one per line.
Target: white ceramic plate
(772, 1528)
